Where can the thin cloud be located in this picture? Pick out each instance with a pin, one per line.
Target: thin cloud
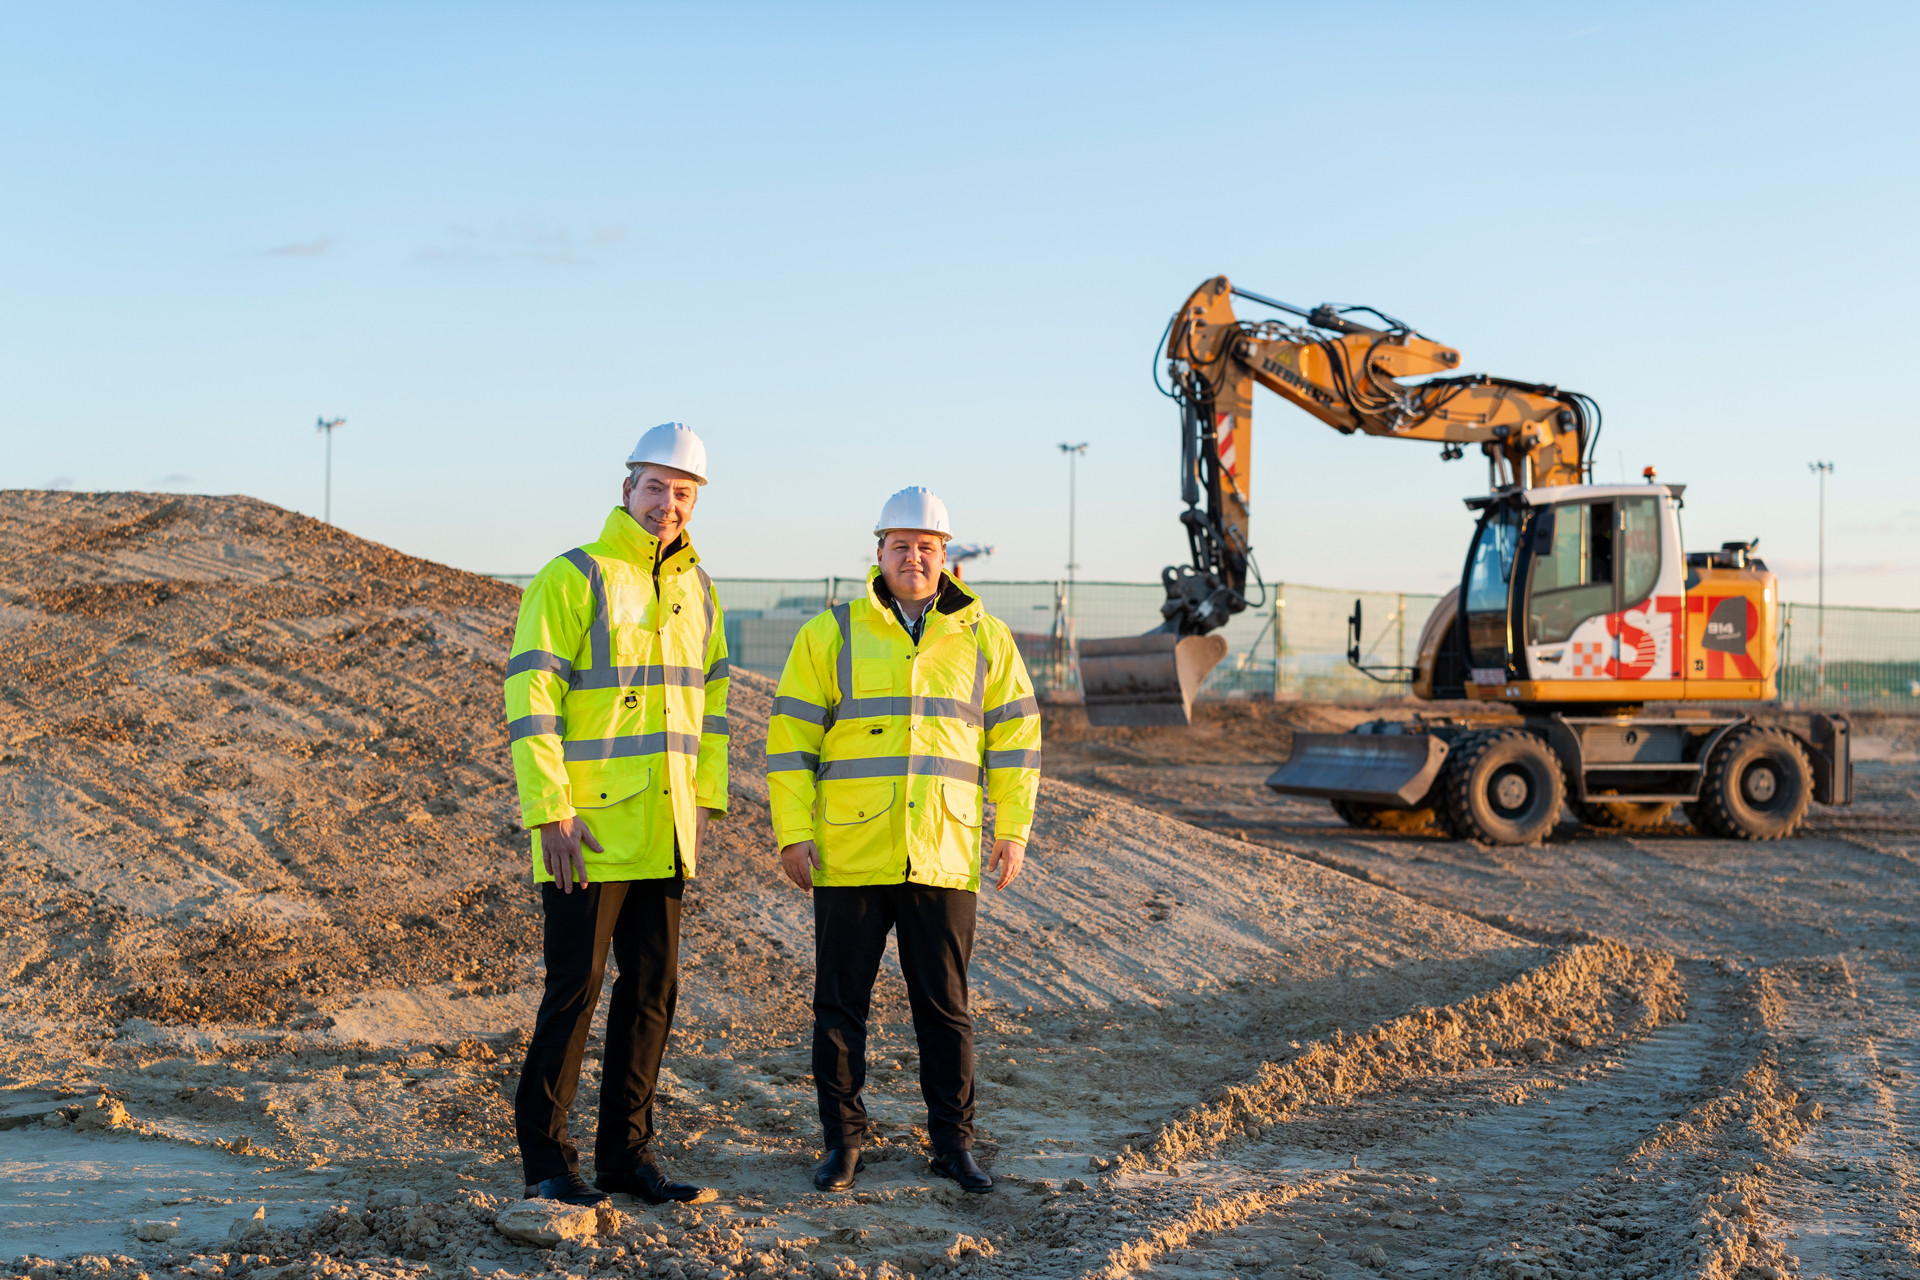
(59, 482)
(524, 241)
(303, 249)
(440, 257)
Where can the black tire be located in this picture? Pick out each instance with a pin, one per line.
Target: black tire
(1627, 815)
(1458, 748)
(1377, 817)
(1503, 787)
(1758, 785)
(1698, 819)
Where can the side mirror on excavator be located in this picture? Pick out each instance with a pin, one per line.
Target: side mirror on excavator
(1384, 674)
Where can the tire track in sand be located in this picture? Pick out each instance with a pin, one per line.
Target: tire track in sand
(1847, 1193)
(1633, 1165)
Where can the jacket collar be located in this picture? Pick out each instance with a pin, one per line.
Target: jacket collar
(629, 540)
(953, 599)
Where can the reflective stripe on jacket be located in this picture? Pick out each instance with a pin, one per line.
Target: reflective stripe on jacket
(878, 747)
(617, 701)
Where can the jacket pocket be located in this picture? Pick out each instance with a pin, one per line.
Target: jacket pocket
(962, 801)
(856, 801)
(954, 844)
(855, 835)
(604, 792)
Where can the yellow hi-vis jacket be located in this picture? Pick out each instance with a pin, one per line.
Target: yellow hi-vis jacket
(617, 701)
(879, 749)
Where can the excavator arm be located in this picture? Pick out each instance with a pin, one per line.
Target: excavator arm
(1350, 376)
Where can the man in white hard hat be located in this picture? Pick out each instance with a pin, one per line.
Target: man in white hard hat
(616, 696)
(897, 716)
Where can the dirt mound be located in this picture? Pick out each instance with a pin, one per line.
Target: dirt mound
(1221, 732)
(252, 760)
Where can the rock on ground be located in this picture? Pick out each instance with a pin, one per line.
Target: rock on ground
(547, 1222)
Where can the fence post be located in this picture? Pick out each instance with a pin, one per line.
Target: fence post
(1069, 642)
(1400, 637)
(827, 586)
(1279, 644)
(1786, 651)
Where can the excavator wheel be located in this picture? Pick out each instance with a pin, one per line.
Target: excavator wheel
(1503, 786)
(1627, 815)
(1423, 817)
(1757, 786)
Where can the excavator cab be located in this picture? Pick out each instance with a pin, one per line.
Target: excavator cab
(1584, 594)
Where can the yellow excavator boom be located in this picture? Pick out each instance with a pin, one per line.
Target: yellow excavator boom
(1352, 377)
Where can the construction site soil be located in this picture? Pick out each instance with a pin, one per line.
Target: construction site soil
(270, 949)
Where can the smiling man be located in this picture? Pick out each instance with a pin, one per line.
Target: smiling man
(897, 716)
(617, 706)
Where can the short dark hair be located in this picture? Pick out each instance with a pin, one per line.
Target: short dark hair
(637, 469)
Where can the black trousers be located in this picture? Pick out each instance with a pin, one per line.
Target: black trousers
(640, 920)
(935, 930)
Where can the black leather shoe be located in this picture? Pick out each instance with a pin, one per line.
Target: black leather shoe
(645, 1181)
(836, 1172)
(961, 1167)
(568, 1188)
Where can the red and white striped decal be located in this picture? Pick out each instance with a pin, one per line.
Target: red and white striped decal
(1223, 435)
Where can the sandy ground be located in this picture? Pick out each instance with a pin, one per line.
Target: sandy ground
(1787, 1093)
(270, 946)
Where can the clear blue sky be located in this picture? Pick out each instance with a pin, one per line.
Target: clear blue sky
(860, 247)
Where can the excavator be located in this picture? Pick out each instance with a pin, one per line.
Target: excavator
(1600, 665)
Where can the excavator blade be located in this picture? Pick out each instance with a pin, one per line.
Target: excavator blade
(1146, 680)
(1392, 769)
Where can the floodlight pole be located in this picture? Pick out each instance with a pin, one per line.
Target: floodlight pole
(1823, 470)
(326, 428)
(1073, 452)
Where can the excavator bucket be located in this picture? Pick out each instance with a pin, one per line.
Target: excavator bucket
(1391, 769)
(1146, 680)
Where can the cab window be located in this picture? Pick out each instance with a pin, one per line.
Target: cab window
(1572, 569)
(1489, 574)
(1590, 559)
(1639, 549)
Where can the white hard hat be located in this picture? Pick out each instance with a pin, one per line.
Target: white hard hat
(915, 508)
(671, 444)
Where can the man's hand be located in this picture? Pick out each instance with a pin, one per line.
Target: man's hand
(560, 846)
(700, 817)
(800, 861)
(1008, 856)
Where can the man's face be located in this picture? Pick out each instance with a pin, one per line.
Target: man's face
(660, 499)
(910, 562)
